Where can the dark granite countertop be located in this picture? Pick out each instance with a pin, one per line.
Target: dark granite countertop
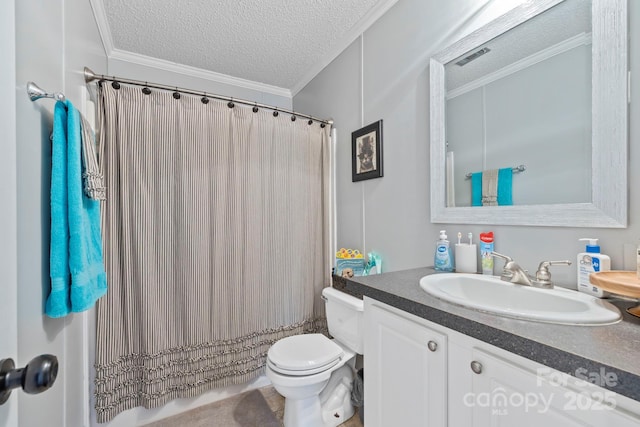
(565, 348)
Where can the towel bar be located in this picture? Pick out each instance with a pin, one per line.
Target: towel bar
(35, 92)
(516, 169)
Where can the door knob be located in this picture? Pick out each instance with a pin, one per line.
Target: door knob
(432, 345)
(38, 376)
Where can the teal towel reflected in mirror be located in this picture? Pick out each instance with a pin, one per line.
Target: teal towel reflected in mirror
(505, 192)
(505, 187)
(476, 189)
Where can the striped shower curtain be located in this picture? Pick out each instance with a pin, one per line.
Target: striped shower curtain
(215, 230)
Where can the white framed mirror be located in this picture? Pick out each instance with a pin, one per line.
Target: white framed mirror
(596, 194)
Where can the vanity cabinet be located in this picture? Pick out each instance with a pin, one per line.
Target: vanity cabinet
(514, 391)
(405, 380)
(467, 382)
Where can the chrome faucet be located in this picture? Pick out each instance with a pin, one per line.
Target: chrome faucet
(512, 272)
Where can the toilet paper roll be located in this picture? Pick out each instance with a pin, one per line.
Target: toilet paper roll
(466, 257)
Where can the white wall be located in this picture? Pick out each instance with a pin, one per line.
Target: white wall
(39, 57)
(8, 219)
(396, 89)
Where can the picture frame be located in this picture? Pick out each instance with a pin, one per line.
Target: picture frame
(366, 152)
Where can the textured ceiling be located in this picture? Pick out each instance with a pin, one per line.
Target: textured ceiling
(272, 42)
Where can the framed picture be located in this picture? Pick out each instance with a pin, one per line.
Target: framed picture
(366, 152)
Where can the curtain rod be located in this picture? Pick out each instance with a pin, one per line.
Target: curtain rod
(90, 76)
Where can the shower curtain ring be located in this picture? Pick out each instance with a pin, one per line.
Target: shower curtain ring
(230, 104)
(293, 117)
(176, 94)
(275, 113)
(255, 108)
(204, 99)
(146, 89)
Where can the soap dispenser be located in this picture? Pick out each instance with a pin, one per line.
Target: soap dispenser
(591, 261)
(443, 258)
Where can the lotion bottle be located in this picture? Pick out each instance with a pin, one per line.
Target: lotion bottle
(591, 261)
(443, 258)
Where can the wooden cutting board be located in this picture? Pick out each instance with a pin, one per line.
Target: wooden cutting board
(618, 282)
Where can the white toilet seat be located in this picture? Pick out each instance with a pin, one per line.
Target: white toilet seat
(302, 355)
(298, 380)
(308, 372)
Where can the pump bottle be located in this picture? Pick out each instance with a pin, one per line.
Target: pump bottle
(443, 258)
(591, 261)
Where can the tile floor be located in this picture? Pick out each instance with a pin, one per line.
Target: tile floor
(257, 408)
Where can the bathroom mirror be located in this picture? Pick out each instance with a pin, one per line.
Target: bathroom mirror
(596, 195)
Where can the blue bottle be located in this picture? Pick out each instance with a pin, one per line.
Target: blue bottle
(443, 258)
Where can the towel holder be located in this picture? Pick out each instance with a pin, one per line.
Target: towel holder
(517, 169)
(35, 92)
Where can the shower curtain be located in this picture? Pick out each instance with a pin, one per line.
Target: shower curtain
(216, 237)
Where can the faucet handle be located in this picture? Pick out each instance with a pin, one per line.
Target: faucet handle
(543, 275)
(504, 257)
(508, 272)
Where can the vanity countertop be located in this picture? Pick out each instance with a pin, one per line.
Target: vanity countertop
(614, 348)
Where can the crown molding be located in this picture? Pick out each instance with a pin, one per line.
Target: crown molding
(361, 26)
(148, 61)
(103, 25)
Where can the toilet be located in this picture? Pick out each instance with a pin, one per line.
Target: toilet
(314, 373)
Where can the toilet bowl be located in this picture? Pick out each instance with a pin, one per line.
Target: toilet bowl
(314, 373)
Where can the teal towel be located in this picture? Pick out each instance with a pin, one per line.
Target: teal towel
(77, 271)
(58, 303)
(505, 187)
(505, 192)
(476, 189)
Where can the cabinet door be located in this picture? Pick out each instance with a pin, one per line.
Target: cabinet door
(508, 394)
(405, 371)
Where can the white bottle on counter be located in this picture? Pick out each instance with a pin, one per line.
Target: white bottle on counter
(591, 261)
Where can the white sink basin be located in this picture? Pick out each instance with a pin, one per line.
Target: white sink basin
(490, 294)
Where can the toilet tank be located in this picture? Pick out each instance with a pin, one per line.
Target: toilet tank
(345, 318)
